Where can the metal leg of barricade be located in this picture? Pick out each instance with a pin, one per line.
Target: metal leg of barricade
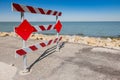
(24, 45)
(57, 49)
(25, 60)
(15, 36)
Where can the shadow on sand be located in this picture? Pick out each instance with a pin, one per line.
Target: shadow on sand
(46, 53)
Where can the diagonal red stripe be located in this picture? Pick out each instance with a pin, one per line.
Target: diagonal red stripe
(49, 12)
(33, 48)
(42, 28)
(55, 40)
(55, 27)
(18, 7)
(21, 52)
(49, 27)
(43, 44)
(60, 13)
(41, 10)
(60, 38)
(49, 42)
(31, 9)
(55, 12)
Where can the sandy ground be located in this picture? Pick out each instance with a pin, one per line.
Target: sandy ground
(73, 62)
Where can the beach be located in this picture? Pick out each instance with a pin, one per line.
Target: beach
(76, 60)
(47, 40)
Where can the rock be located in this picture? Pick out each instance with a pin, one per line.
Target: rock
(109, 39)
(4, 34)
(91, 41)
(33, 38)
(82, 41)
(77, 38)
(72, 39)
(110, 45)
(13, 34)
(102, 44)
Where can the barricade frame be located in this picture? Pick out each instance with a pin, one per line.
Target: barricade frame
(55, 13)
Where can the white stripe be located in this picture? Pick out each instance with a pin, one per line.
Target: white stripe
(37, 45)
(57, 14)
(37, 28)
(25, 8)
(45, 11)
(52, 26)
(36, 10)
(46, 26)
(52, 13)
(27, 49)
(46, 42)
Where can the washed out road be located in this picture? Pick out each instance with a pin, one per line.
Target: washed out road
(73, 62)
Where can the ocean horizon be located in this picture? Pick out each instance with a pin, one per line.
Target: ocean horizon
(83, 28)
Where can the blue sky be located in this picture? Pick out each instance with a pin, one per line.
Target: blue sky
(73, 10)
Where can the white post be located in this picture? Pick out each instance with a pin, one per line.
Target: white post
(24, 45)
(16, 55)
(57, 36)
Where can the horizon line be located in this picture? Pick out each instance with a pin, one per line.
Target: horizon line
(69, 21)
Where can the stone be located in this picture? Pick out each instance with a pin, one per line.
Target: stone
(4, 34)
(72, 39)
(109, 39)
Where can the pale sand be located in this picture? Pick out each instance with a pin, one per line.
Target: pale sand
(7, 72)
(73, 62)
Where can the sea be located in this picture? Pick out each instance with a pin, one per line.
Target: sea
(93, 29)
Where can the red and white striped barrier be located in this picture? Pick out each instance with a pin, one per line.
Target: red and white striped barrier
(44, 27)
(25, 29)
(22, 8)
(26, 50)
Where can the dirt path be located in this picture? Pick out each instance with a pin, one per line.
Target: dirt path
(73, 62)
